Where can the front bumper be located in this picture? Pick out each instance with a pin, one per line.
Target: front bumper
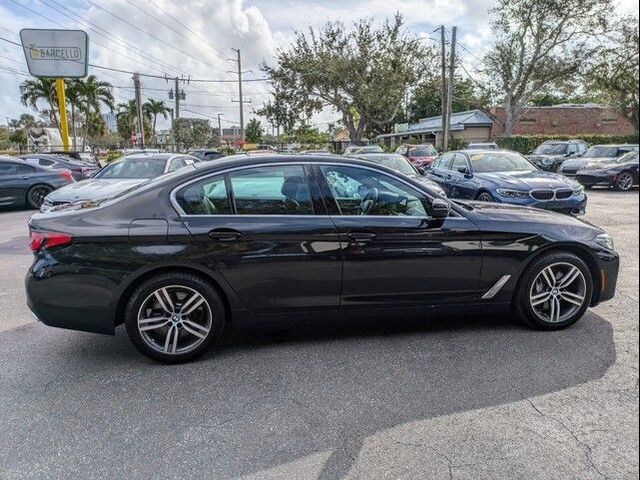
(594, 178)
(609, 266)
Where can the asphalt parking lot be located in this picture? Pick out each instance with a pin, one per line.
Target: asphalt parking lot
(432, 398)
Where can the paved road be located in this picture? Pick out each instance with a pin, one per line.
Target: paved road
(462, 398)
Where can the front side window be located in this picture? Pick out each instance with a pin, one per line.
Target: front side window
(359, 191)
(206, 197)
(273, 190)
(459, 161)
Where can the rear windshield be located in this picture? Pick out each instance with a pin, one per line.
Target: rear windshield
(394, 162)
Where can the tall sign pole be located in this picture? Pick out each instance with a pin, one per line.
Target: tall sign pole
(240, 97)
(62, 108)
(452, 69)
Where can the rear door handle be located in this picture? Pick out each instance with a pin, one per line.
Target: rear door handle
(223, 235)
(361, 236)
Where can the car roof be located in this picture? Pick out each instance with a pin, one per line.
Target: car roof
(564, 141)
(150, 156)
(476, 151)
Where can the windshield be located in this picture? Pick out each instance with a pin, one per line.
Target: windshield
(500, 162)
(631, 157)
(394, 162)
(134, 168)
(595, 152)
(371, 149)
(423, 152)
(551, 149)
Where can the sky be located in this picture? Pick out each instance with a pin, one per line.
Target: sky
(196, 38)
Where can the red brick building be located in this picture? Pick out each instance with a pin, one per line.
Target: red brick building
(565, 120)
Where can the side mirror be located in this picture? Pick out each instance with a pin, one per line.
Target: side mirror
(440, 208)
(464, 170)
(422, 170)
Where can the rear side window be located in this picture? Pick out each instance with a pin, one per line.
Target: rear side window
(445, 161)
(274, 190)
(206, 197)
(25, 169)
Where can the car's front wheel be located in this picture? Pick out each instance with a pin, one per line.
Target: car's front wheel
(174, 317)
(624, 181)
(554, 291)
(485, 197)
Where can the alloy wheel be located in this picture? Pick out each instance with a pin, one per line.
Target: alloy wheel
(485, 197)
(38, 194)
(175, 320)
(625, 181)
(558, 292)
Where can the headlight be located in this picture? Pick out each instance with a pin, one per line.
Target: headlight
(578, 191)
(605, 240)
(547, 161)
(512, 193)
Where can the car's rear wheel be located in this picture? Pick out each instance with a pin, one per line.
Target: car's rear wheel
(485, 197)
(555, 291)
(174, 317)
(624, 181)
(37, 194)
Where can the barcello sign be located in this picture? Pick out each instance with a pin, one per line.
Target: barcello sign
(55, 53)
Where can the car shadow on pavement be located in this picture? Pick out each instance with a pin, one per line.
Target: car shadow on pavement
(271, 395)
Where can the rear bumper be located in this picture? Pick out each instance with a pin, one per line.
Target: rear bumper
(68, 299)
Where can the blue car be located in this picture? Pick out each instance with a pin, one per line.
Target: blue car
(505, 177)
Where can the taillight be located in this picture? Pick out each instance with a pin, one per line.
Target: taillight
(66, 174)
(48, 239)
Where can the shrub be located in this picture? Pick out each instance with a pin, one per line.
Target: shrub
(526, 143)
(113, 155)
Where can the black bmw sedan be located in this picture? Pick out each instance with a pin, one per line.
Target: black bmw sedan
(183, 254)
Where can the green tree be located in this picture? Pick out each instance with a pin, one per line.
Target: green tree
(427, 98)
(361, 72)
(253, 132)
(154, 108)
(192, 132)
(126, 120)
(94, 93)
(73, 94)
(540, 44)
(32, 92)
(615, 75)
(5, 142)
(20, 126)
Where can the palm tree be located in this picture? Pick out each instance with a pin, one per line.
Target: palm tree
(94, 92)
(126, 118)
(153, 108)
(33, 91)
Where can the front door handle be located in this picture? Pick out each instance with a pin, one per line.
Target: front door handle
(449, 177)
(361, 236)
(224, 235)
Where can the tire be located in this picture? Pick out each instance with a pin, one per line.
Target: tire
(36, 194)
(158, 324)
(556, 312)
(485, 197)
(624, 181)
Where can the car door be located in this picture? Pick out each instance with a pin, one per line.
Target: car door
(440, 170)
(12, 185)
(395, 254)
(265, 229)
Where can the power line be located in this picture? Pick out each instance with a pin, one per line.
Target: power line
(153, 36)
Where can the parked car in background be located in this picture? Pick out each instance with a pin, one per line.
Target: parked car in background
(483, 146)
(84, 157)
(596, 153)
(506, 177)
(206, 154)
(78, 169)
(360, 149)
(621, 173)
(419, 155)
(175, 259)
(22, 184)
(119, 176)
(551, 154)
(401, 164)
(136, 151)
(320, 151)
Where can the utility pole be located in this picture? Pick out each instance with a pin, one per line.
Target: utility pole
(177, 99)
(452, 69)
(240, 97)
(443, 64)
(220, 129)
(136, 84)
